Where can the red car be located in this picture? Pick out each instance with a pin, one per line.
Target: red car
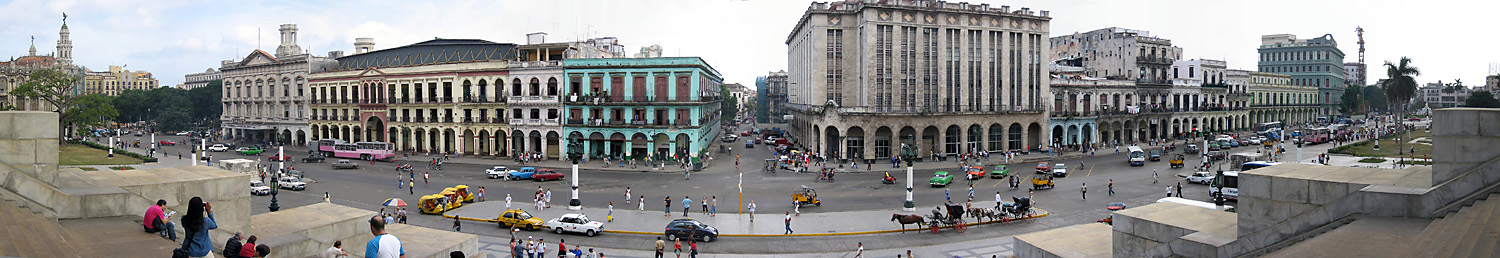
(167, 143)
(546, 175)
(280, 158)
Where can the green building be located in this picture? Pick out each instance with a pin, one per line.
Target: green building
(639, 107)
(1316, 62)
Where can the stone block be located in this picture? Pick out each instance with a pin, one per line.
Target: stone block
(47, 151)
(1323, 192)
(36, 125)
(1289, 189)
(1455, 121)
(1255, 186)
(18, 153)
(6, 118)
(1128, 245)
(104, 205)
(1187, 248)
(1488, 129)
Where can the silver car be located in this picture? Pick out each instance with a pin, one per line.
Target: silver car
(345, 164)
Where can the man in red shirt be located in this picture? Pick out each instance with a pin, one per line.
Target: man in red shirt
(155, 215)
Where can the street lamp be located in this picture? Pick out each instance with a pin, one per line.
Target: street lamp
(908, 205)
(574, 155)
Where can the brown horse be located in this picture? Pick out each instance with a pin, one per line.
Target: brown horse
(908, 219)
(988, 213)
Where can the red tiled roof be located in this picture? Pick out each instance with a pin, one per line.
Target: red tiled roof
(34, 61)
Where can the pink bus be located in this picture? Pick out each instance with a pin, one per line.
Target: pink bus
(359, 150)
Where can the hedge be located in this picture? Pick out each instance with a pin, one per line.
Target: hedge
(143, 158)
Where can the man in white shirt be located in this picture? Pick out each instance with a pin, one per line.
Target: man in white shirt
(337, 251)
(383, 245)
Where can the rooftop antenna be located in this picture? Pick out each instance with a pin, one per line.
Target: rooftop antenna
(257, 38)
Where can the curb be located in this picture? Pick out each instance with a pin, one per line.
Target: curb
(1043, 213)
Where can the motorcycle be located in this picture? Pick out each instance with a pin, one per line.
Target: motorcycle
(888, 179)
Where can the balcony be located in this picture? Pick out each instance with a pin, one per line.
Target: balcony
(1072, 114)
(575, 121)
(550, 121)
(1153, 60)
(448, 119)
(1153, 82)
(432, 120)
(484, 120)
(533, 121)
(637, 100)
(516, 121)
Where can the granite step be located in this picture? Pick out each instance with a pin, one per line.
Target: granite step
(1451, 232)
(1486, 238)
(1467, 237)
(10, 230)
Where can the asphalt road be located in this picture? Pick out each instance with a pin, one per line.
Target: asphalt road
(369, 185)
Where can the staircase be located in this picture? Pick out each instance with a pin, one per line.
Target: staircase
(26, 233)
(1469, 232)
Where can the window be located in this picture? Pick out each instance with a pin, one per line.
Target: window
(552, 86)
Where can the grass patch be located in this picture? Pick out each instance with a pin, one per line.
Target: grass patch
(76, 155)
(1389, 147)
(1371, 160)
(122, 168)
(88, 169)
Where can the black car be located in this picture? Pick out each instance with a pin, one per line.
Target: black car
(691, 229)
(313, 158)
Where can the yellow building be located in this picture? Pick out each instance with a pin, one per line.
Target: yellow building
(117, 80)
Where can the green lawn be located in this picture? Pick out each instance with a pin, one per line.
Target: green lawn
(1392, 147)
(75, 155)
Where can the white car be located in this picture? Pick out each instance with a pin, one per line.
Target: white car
(218, 148)
(292, 183)
(1059, 170)
(259, 188)
(576, 223)
(1255, 140)
(1201, 177)
(497, 172)
(182, 133)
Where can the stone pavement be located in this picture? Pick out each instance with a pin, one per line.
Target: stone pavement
(996, 247)
(653, 221)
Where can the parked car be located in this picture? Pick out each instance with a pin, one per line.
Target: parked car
(313, 158)
(576, 223)
(691, 229)
(750, 144)
(344, 163)
(546, 175)
(1201, 177)
(218, 148)
(182, 133)
(282, 157)
(259, 188)
(999, 172)
(293, 183)
(250, 150)
(941, 178)
(497, 172)
(1059, 170)
(524, 173)
(974, 172)
(166, 143)
(1043, 168)
(519, 219)
(1154, 155)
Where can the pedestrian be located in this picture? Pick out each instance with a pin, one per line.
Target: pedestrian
(1153, 176)
(796, 208)
(661, 247)
(788, 223)
(411, 187)
(668, 210)
(562, 248)
(424, 178)
(861, 251)
(1179, 189)
(1169, 191)
(627, 195)
(751, 207)
(642, 205)
(548, 196)
(971, 191)
(687, 203)
(705, 206)
(1111, 187)
(196, 225)
(326, 198)
(713, 207)
(1084, 191)
(541, 247)
(507, 201)
(946, 196)
(677, 247)
(685, 175)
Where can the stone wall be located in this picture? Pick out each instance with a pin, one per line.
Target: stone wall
(29, 143)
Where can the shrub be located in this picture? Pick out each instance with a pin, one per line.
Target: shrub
(1371, 160)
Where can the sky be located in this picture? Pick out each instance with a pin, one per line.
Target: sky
(743, 39)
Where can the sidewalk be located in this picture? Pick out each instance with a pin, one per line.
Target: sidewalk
(652, 220)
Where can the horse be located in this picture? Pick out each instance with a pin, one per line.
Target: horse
(908, 219)
(978, 213)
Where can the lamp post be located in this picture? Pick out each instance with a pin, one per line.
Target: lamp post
(574, 155)
(908, 205)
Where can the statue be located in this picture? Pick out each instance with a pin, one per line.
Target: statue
(65, 17)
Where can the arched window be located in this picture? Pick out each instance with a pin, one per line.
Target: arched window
(536, 87)
(552, 86)
(515, 87)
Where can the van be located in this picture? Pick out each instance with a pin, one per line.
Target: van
(1137, 156)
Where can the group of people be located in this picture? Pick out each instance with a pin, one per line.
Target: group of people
(525, 157)
(199, 220)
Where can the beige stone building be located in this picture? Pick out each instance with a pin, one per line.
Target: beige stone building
(1275, 99)
(266, 96)
(867, 77)
(18, 69)
(116, 80)
(196, 80)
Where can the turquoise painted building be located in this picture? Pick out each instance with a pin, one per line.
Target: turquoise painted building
(640, 107)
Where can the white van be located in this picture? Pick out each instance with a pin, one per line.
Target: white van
(1137, 156)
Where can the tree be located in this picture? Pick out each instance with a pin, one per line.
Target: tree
(1375, 99)
(1483, 99)
(90, 110)
(133, 105)
(1351, 101)
(1401, 85)
(54, 87)
(207, 102)
(1452, 87)
(728, 105)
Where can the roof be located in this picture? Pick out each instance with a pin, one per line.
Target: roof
(436, 51)
(33, 61)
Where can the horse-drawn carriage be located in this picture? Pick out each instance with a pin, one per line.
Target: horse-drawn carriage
(806, 196)
(1020, 209)
(955, 218)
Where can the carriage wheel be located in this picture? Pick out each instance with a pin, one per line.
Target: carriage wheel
(960, 227)
(934, 227)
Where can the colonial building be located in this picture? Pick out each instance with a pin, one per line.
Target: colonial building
(868, 77)
(1274, 99)
(196, 80)
(266, 96)
(1316, 62)
(639, 107)
(771, 98)
(18, 70)
(1440, 95)
(1117, 53)
(116, 80)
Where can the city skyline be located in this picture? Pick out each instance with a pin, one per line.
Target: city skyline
(749, 42)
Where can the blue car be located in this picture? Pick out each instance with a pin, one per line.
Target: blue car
(524, 173)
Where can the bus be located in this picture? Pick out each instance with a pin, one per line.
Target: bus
(1137, 156)
(1316, 135)
(1196, 203)
(1227, 186)
(1267, 127)
(325, 146)
(1256, 164)
(359, 150)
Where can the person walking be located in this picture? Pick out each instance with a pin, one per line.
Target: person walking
(196, 225)
(1084, 190)
(411, 187)
(971, 192)
(661, 247)
(946, 196)
(705, 207)
(627, 195)
(1111, 187)
(1169, 191)
(751, 207)
(507, 201)
(424, 178)
(1179, 189)
(562, 248)
(1153, 176)
(788, 224)
(796, 208)
(677, 247)
(687, 203)
(713, 207)
(859, 253)
(641, 205)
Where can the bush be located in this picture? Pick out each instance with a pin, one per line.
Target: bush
(1371, 160)
(143, 158)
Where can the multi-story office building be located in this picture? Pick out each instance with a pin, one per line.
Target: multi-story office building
(266, 96)
(116, 80)
(638, 107)
(1316, 62)
(1273, 98)
(18, 70)
(868, 77)
(771, 98)
(196, 80)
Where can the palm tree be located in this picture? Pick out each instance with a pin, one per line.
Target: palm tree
(1400, 87)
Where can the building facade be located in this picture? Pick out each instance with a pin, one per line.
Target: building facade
(1439, 95)
(771, 98)
(266, 96)
(1316, 62)
(641, 107)
(1273, 98)
(197, 80)
(869, 77)
(1117, 53)
(117, 80)
(1354, 74)
(18, 70)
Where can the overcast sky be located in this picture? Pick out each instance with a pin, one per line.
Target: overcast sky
(741, 38)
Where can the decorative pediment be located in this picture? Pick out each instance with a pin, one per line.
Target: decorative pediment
(258, 57)
(371, 72)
